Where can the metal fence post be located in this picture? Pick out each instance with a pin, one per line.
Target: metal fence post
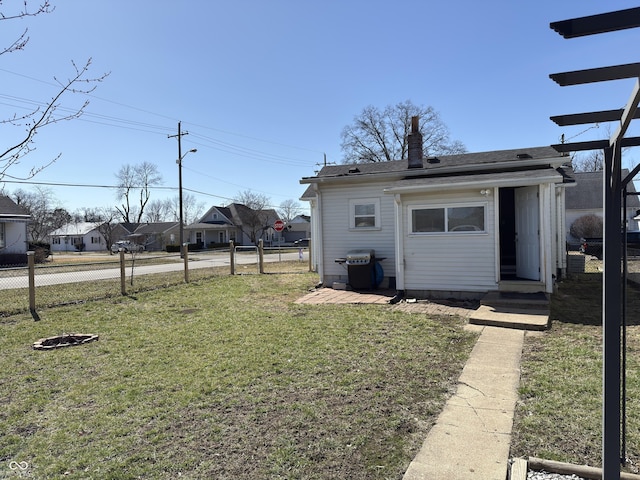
(185, 254)
(32, 281)
(232, 260)
(123, 276)
(260, 256)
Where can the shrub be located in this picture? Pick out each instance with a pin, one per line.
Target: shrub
(587, 226)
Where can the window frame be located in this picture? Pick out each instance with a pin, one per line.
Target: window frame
(446, 208)
(355, 202)
(3, 233)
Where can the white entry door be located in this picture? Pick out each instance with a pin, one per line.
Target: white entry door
(527, 233)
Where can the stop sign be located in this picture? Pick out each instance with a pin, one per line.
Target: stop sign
(278, 226)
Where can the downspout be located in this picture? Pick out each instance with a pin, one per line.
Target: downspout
(546, 253)
(399, 247)
(316, 234)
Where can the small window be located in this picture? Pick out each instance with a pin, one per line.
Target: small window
(427, 220)
(365, 213)
(2, 238)
(465, 219)
(447, 219)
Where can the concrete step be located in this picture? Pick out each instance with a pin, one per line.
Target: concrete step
(522, 311)
(537, 300)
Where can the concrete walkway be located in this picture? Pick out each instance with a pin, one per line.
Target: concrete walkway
(471, 437)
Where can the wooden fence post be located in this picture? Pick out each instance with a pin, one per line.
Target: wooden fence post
(32, 280)
(232, 260)
(185, 253)
(260, 256)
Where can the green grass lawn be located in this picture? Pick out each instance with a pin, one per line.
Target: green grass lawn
(559, 414)
(224, 378)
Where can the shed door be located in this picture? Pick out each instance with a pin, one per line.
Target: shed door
(527, 233)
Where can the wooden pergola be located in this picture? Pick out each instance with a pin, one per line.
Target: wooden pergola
(614, 195)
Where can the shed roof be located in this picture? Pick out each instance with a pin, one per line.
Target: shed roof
(522, 159)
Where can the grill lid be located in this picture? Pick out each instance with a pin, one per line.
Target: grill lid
(360, 256)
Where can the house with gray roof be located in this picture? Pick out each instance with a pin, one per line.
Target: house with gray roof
(13, 227)
(440, 226)
(237, 223)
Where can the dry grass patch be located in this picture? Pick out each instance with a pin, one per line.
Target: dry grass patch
(559, 413)
(226, 378)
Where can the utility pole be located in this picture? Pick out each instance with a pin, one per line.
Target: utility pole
(179, 162)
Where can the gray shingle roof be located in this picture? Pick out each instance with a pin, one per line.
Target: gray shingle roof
(587, 193)
(520, 159)
(9, 208)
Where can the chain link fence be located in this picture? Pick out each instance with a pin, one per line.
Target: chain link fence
(77, 278)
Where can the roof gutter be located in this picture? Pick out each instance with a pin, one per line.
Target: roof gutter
(476, 183)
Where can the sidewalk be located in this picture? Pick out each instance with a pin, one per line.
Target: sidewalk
(471, 437)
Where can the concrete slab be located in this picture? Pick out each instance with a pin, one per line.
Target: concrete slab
(513, 317)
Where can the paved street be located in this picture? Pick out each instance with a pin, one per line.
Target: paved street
(199, 260)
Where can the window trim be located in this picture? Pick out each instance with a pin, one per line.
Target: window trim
(375, 201)
(446, 207)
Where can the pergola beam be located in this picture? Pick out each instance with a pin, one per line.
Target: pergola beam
(594, 145)
(593, 75)
(601, 23)
(590, 117)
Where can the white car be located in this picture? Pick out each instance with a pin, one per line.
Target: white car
(127, 245)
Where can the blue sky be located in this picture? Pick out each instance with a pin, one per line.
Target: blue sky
(264, 88)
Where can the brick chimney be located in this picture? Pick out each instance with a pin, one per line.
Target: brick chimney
(414, 139)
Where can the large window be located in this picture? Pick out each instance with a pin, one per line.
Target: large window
(365, 213)
(447, 219)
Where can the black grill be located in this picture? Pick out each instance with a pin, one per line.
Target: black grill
(361, 269)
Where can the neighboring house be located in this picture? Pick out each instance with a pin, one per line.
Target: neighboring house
(78, 237)
(297, 228)
(586, 199)
(155, 236)
(469, 223)
(13, 227)
(237, 223)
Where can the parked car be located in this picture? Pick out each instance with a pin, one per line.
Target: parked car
(127, 245)
(303, 242)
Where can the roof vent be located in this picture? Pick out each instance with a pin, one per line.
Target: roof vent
(354, 170)
(522, 156)
(433, 160)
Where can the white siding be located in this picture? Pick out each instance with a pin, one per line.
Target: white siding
(338, 238)
(15, 237)
(459, 261)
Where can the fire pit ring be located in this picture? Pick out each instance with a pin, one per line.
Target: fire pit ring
(64, 340)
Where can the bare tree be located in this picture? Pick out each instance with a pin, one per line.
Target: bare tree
(157, 211)
(48, 113)
(45, 218)
(106, 221)
(255, 217)
(381, 135)
(139, 178)
(289, 209)
(192, 209)
(592, 161)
